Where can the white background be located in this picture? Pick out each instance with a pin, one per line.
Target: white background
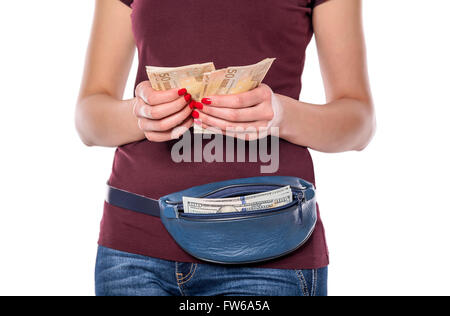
(386, 210)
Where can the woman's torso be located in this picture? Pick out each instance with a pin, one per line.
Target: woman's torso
(230, 33)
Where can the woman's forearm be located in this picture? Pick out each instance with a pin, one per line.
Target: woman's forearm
(101, 120)
(342, 125)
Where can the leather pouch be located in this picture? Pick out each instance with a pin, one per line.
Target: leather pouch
(244, 237)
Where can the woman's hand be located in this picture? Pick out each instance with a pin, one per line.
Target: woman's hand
(159, 113)
(247, 115)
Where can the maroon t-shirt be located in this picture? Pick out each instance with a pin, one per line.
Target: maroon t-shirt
(173, 33)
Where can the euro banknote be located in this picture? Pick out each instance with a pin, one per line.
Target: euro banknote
(189, 77)
(203, 80)
(234, 80)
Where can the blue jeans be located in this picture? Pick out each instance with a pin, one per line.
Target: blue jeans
(119, 273)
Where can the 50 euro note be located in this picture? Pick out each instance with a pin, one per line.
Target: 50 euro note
(189, 77)
(233, 80)
(254, 202)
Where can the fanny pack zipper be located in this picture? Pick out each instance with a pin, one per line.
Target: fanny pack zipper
(299, 198)
(293, 188)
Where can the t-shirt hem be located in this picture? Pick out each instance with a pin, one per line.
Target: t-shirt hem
(315, 262)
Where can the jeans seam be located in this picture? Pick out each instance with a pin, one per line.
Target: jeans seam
(303, 284)
(176, 277)
(184, 277)
(190, 277)
(314, 282)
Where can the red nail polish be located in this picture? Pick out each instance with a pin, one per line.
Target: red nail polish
(199, 105)
(187, 97)
(195, 115)
(192, 104)
(206, 101)
(182, 92)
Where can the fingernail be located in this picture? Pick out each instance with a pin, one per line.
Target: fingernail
(182, 92)
(195, 115)
(192, 104)
(187, 97)
(198, 122)
(206, 101)
(144, 113)
(199, 105)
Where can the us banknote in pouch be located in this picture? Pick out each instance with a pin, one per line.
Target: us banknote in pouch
(248, 203)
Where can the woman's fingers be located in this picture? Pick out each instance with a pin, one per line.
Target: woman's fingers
(229, 125)
(260, 112)
(158, 112)
(175, 133)
(152, 97)
(248, 135)
(241, 100)
(165, 124)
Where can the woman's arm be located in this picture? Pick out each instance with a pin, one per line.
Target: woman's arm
(102, 118)
(347, 121)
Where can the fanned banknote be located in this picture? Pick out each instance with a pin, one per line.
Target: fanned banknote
(189, 77)
(254, 202)
(203, 80)
(234, 80)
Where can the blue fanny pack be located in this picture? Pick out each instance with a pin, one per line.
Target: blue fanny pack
(232, 238)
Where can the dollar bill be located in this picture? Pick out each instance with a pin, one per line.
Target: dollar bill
(254, 202)
(286, 190)
(255, 206)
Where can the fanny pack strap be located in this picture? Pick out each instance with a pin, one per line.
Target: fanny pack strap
(131, 201)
